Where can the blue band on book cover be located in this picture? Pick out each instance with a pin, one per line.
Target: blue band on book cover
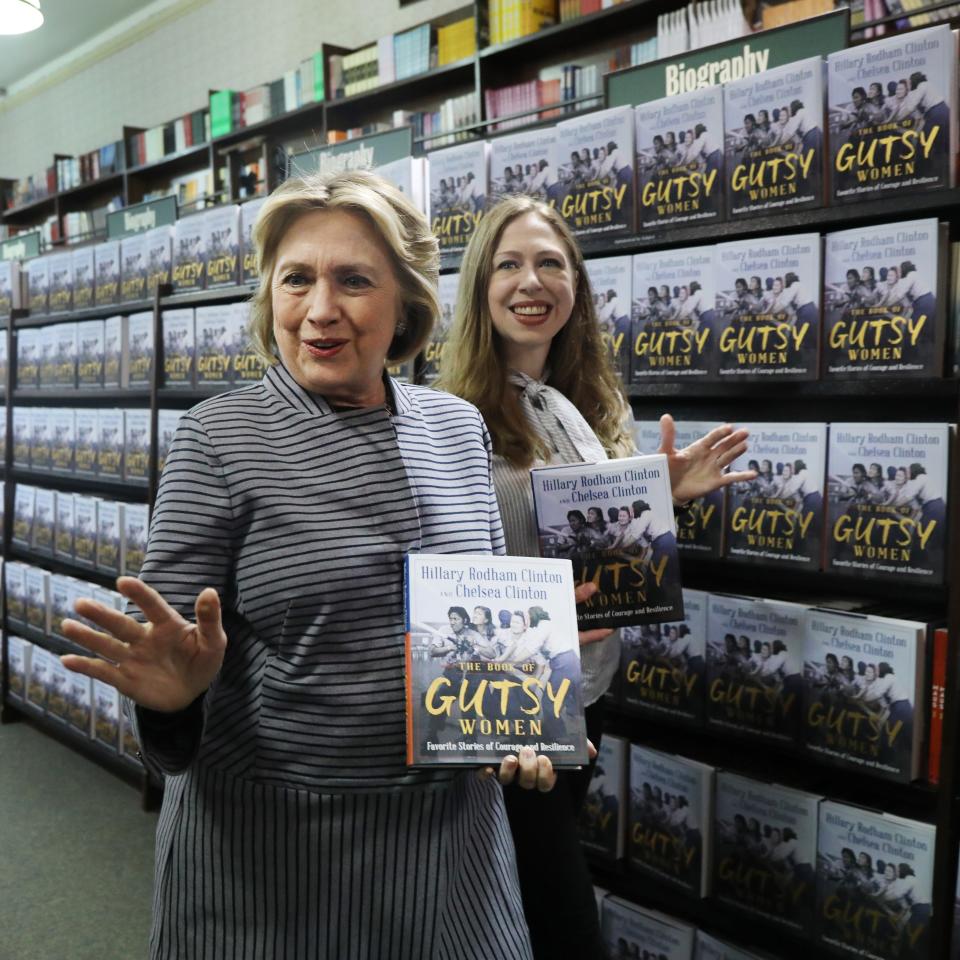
(614, 522)
(492, 660)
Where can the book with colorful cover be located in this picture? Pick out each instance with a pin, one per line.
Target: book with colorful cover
(663, 665)
(874, 883)
(110, 444)
(63, 440)
(133, 269)
(525, 164)
(136, 445)
(140, 350)
(179, 347)
(893, 115)
(38, 677)
(248, 217)
(90, 353)
(40, 438)
(24, 507)
(214, 329)
(109, 526)
(777, 518)
(61, 282)
(158, 256)
(58, 705)
(15, 586)
(700, 527)
(478, 690)
(65, 350)
(680, 159)
(106, 262)
(84, 274)
(44, 518)
(631, 555)
(864, 692)
(631, 931)
(433, 351)
(674, 316)
(886, 500)
(671, 819)
(596, 173)
(37, 582)
(28, 357)
(22, 431)
(221, 227)
(768, 307)
(85, 530)
(106, 714)
(60, 593)
(884, 310)
(611, 281)
(136, 526)
(113, 337)
(80, 709)
(9, 286)
(774, 139)
(246, 363)
(189, 254)
(603, 820)
(47, 357)
(18, 655)
(458, 193)
(765, 850)
(87, 441)
(63, 537)
(167, 421)
(754, 662)
(38, 284)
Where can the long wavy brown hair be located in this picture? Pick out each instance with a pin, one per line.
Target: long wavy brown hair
(578, 365)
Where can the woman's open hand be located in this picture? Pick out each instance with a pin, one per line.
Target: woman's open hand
(164, 664)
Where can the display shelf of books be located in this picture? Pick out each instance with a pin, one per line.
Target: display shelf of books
(918, 390)
(80, 484)
(29, 211)
(192, 158)
(92, 188)
(31, 319)
(169, 301)
(83, 396)
(63, 566)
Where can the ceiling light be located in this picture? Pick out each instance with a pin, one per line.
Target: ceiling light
(19, 16)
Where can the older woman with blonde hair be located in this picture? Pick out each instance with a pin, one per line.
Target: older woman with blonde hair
(264, 668)
(526, 349)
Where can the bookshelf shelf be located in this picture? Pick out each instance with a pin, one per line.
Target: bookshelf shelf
(70, 483)
(67, 567)
(93, 313)
(88, 397)
(275, 126)
(172, 163)
(29, 211)
(90, 189)
(791, 390)
(200, 297)
(174, 396)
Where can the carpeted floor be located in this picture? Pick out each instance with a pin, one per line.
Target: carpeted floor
(76, 855)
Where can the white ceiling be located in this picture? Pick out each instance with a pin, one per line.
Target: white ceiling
(66, 25)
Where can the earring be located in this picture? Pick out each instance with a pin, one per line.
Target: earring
(401, 327)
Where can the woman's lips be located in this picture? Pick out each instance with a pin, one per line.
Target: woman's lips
(531, 314)
(324, 349)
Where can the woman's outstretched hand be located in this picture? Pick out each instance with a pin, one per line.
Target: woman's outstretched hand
(698, 469)
(584, 592)
(164, 664)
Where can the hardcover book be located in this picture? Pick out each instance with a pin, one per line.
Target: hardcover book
(774, 139)
(214, 327)
(680, 159)
(18, 653)
(614, 522)
(38, 599)
(106, 714)
(178, 347)
(110, 434)
(629, 931)
(754, 658)
(874, 883)
(28, 358)
(38, 677)
(84, 274)
(63, 537)
(864, 692)
(109, 527)
(886, 500)
(674, 316)
(87, 442)
(24, 508)
(139, 350)
(58, 691)
(603, 822)
(136, 445)
(167, 421)
(22, 435)
(663, 665)
(60, 593)
(40, 425)
(768, 307)
(671, 819)
(38, 284)
(884, 301)
(65, 356)
(433, 351)
(246, 364)
(248, 217)
(90, 348)
(766, 850)
(408, 175)
(136, 526)
(106, 263)
(9, 286)
(46, 357)
(458, 193)
(80, 710)
(700, 526)
(63, 440)
(43, 521)
(85, 530)
(15, 584)
(61, 282)
(189, 263)
(893, 115)
(158, 256)
(611, 281)
(525, 164)
(478, 690)
(133, 270)
(113, 338)
(596, 173)
(777, 518)
(221, 227)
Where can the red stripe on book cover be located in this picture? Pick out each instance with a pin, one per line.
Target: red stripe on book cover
(938, 687)
(408, 683)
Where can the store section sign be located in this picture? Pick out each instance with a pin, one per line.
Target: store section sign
(141, 217)
(21, 247)
(364, 153)
(731, 60)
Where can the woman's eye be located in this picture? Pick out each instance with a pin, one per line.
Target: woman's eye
(294, 279)
(356, 281)
(506, 264)
(551, 262)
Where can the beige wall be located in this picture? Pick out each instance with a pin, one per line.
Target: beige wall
(167, 72)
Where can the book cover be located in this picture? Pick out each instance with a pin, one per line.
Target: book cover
(611, 282)
(596, 173)
(46, 357)
(671, 819)
(248, 217)
(9, 286)
(221, 227)
(754, 658)
(179, 347)
(938, 697)
(58, 692)
(84, 274)
(85, 530)
(189, 263)
(674, 332)
(768, 307)
(458, 193)
(680, 159)
(603, 821)
(136, 445)
(109, 526)
(167, 421)
(766, 850)
(90, 347)
(64, 358)
(663, 665)
(63, 534)
(106, 262)
(63, 440)
(38, 284)
(777, 518)
(22, 431)
(15, 584)
(710, 948)
(24, 507)
(39, 677)
(61, 282)
(630, 931)
(214, 327)
(136, 526)
(614, 522)
(864, 692)
(883, 312)
(40, 425)
(700, 526)
(893, 114)
(246, 364)
(129, 747)
(477, 690)
(18, 653)
(525, 164)
(886, 500)
(774, 139)
(37, 583)
(80, 709)
(158, 256)
(60, 594)
(140, 350)
(113, 337)
(44, 517)
(874, 883)
(433, 351)
(87, 442)
(408, 175)
(133, 269)
(106, 714)
(28, 358)
(110, 434)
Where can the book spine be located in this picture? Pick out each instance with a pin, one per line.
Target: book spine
(938, 688)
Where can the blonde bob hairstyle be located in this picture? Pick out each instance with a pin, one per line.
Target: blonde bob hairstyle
(402, 228)
(578, 364)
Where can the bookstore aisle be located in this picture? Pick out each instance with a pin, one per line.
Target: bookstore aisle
(76, 855)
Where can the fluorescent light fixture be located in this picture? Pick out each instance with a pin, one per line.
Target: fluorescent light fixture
(19, 16)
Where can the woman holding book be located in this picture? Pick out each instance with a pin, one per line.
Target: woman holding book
(265, 666)
(525, 349)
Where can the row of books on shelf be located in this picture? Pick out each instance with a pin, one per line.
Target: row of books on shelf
(851, 879)
(914, 14)
(700, 24)
(179, 134)
(91, 166)
(773, 14)
(454, 113)
(512, 19)
(110, 444)
(554, 85)
(79, 225)
(40, 682)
